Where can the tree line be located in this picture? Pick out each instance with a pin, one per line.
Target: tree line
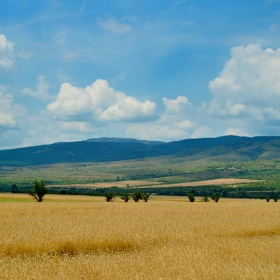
(39, 191)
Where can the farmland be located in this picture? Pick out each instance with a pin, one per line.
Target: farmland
(81, 237)
(160, 170)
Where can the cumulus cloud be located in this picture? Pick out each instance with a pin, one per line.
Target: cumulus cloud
(157, 132)
(130, 109)
(7, 118)
(236, 131)
(175, 105)
(249, 85)
(114, 26)
(42, 89)
(173, 124)
(99, 102)
(203, 131)
(6, 52)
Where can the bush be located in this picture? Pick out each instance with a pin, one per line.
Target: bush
(267, 199)
(39, 190)
(109, 196)
(191, 197)
(205, 198)
(125, 197)
(145, 196)
(275, 198)
(137, 195)
(215, 197)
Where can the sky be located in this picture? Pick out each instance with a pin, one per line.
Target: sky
(155, 70)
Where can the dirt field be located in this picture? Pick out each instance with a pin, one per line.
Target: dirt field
(120, 184)
(166, 238)
(229, 181)
(145, 184)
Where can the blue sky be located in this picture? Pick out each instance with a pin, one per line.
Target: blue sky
(156, 70)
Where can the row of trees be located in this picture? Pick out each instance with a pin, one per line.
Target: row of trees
(136, 196)
(40, 191)
(205, 198)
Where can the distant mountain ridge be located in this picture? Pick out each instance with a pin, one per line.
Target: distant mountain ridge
(226, 148)
(123, 140)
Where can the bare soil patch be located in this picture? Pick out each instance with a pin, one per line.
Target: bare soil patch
(119, 184)
(228, 181)
(145, 184)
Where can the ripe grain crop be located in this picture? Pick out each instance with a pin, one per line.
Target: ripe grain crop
(161, 239)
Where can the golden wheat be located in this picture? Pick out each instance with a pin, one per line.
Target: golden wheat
(175, 239)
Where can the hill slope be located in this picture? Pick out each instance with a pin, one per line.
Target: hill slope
(227, 148)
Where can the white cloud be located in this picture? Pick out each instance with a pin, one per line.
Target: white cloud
(203, 131)
(25, 54)
(114, 26)
(156, 132)
(7, 118)
(271, 115)
(6, 52)
(249, 84)
(236, 131)
(175, 105)
(130, 109)
(42, 89)
(172, 125)
(99, 102)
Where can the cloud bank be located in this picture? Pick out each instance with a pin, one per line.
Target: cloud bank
(7, 118)
(6, 52)
(248, 89)
(99, 102)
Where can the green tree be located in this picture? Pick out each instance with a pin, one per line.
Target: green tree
(205, 198)
(39, 190)
(125, 197)
(109, 196)
(191, 197)
(137, 195)
(215, 197)
(146, 196)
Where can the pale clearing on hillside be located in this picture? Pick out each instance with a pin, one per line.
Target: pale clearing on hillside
(232, 239)
(154, 184)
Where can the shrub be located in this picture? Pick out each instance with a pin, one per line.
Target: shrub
(109, 196)
(39, 190)
(215, 197)
(275, 198)
(267, 199)
(191, 197)
(205, 198)
(145, 196)
(125, 197)
(137, 195)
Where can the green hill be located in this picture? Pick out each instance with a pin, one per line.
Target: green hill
(226, 149)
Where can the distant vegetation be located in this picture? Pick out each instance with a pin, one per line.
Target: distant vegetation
(165, 163)
(227, 148)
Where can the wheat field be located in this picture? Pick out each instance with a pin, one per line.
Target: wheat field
(162, 239)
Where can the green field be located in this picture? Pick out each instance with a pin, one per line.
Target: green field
(164, 169)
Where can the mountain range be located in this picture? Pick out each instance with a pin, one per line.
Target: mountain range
(225, 148)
